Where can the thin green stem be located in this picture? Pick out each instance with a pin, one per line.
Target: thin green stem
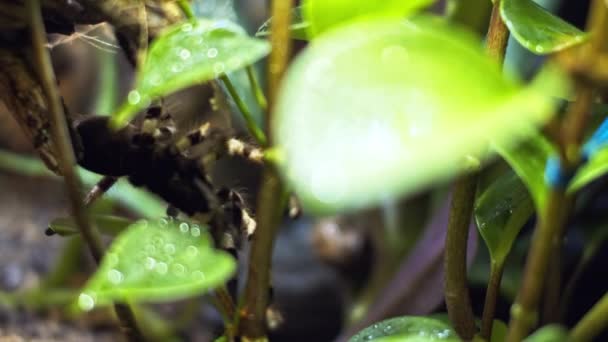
(184, 5)
(253, 127)
(489, 307)
(593, 323)
(65, 153)
(272, 198)
(256, 89)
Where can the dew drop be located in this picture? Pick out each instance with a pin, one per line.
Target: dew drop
(86, 302)
(191, 251)
(178, 269)
(218, 68)
(212, 53)
(187, 27)
(115, 276)
(196, 232)
(183, 227)
(161, 268)
(150, 263)
(150, 249)
(169, 248)
(112, 258)
(539, 48)
(164, 223)
(177, 67)
(198, 275)
(184, 54)
(134, 97)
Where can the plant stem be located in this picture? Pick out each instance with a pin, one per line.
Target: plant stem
(593, 323)
(256, 89)
(272, 198)
(456, 291)
(548, 233)
(498, 35)
(65, 153)
(184, 5)
(489, 307)
(253, 127)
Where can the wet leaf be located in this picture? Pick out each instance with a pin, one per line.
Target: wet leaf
(549, 333)
(107, 224)
(407, 329)
(500, 212)
(188, 54)
(155, 261)
(538, 30)
(395, 121)
(528, 161)
(297, 30)
(325, 14)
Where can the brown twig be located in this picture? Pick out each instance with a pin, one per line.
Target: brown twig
(457, 297)
(456, 290)
(65, 153)
(548, 233)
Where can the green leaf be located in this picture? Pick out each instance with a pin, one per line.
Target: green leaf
(325, 14)
(500, 212)
(297, 30)
(381, 108)
(538, 30)
(549, 333)
(499, 331)
(407, 329)
(187, 54)
(107, 224)
(528, 161)
(593, 169)
(155, 261)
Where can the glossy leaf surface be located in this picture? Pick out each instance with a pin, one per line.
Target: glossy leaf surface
(528, 160)
(156, 261)
(407, 329)
(323, 15)
(371, 111)
(500, 212)
(549, 333)
(190, 53)
(538, 30)
(595, 168)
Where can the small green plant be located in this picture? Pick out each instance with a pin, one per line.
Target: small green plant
(386, 100)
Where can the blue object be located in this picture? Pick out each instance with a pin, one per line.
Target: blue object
(555, 174)
(598, 140)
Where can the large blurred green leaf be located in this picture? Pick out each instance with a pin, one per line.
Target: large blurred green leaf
(380, 108)
(407, 329)
(538, 30)
(528, 161)
(325, 14)
(500, 212)
(187, 54)
(298, 28)
(157, 261)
